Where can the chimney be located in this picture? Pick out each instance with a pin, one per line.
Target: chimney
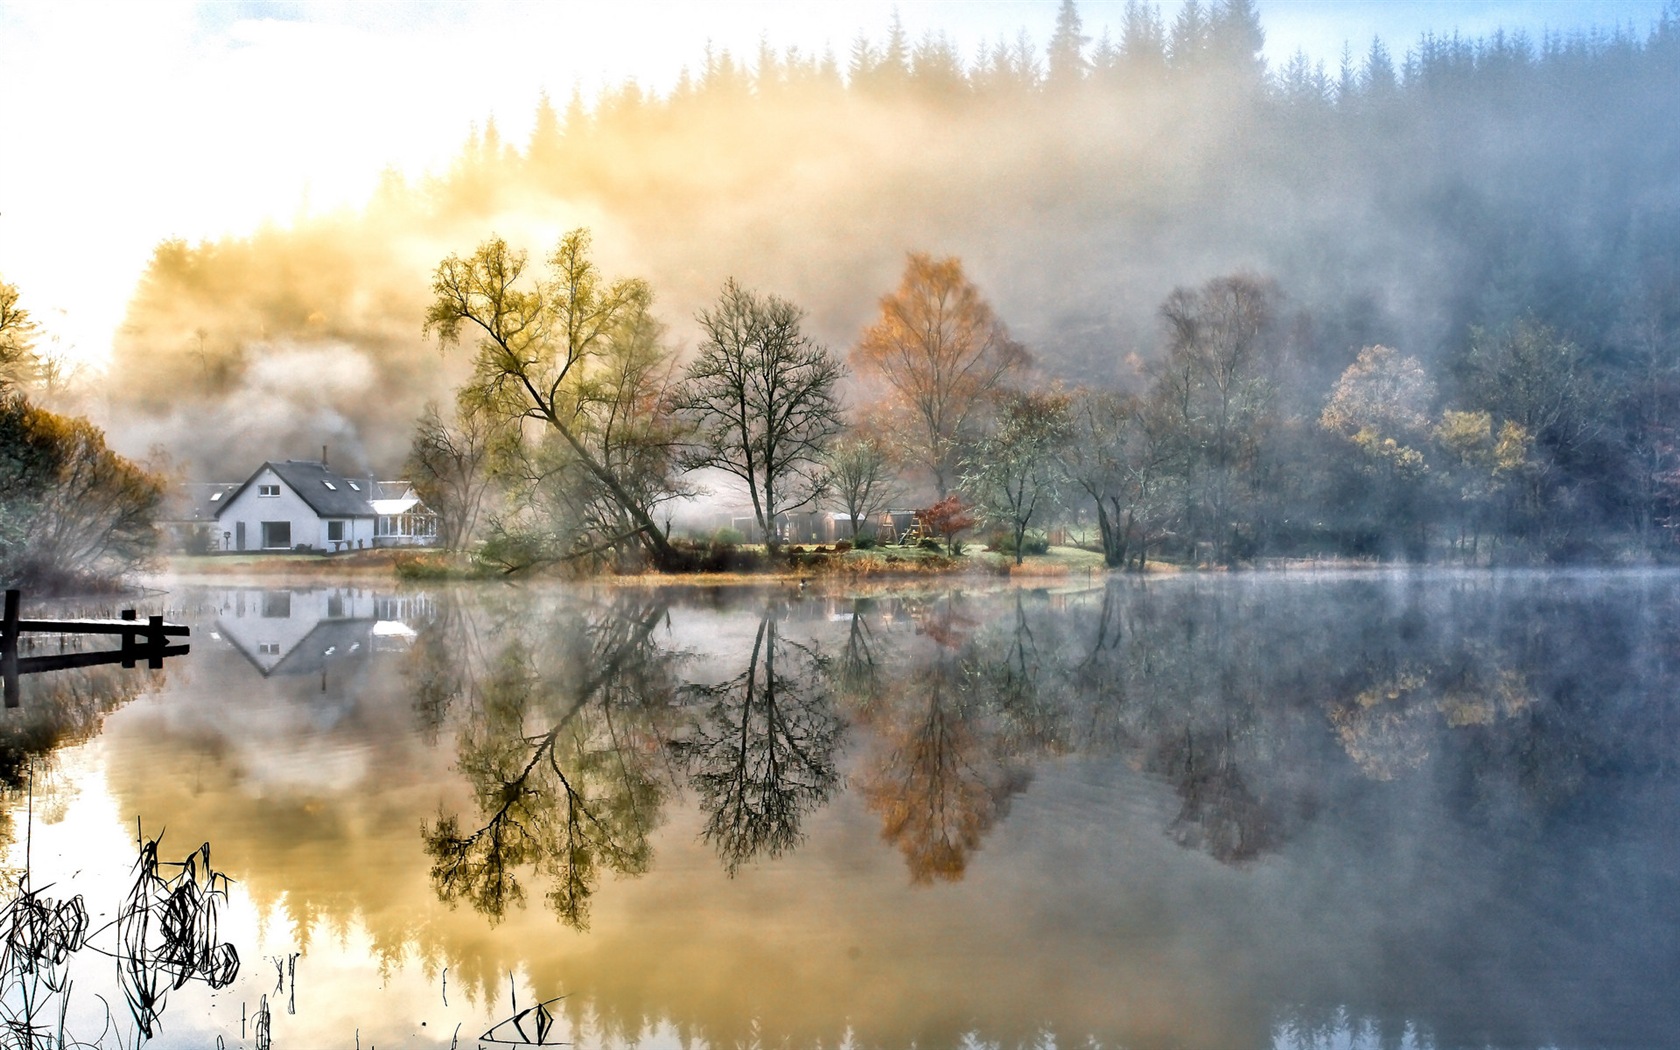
(323, 457)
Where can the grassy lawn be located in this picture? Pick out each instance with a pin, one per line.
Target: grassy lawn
(812, 561)
(280, 564)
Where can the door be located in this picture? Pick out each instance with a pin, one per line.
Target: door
(239, 536)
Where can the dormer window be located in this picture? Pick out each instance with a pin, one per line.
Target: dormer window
(329, 485)
(268, 490)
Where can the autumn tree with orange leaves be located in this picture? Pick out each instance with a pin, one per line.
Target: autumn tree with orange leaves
(941, 353)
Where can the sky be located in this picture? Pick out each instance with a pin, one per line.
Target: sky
(127, 124)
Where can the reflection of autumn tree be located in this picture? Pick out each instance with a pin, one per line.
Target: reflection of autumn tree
(1388, 727)
(938, 781)
(761, 756)
(569, 801)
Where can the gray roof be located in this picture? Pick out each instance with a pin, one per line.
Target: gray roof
(197, 501)
(328, 494)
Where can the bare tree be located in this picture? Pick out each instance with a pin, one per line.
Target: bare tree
(449, 467)
(763, 398)
(862, 477)
(942, 353)
(1221, 343)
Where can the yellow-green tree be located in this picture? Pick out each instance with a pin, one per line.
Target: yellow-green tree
(578, 356)
(17, 340)
(1485, 471)
(1381, 406)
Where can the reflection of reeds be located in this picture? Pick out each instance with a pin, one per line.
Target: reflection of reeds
(166, 931)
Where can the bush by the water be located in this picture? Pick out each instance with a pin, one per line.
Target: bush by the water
(1003, 541)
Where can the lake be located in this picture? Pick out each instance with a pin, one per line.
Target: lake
(1372, 809)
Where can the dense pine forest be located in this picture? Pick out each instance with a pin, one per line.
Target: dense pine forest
(1414, 300)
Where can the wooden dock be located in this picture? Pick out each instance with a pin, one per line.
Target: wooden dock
(146, 640)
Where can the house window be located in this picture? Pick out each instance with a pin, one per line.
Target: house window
(276, 534)
(268, 490)
(268, 648)
(335, 532)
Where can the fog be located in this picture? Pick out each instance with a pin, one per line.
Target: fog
(1400, 199)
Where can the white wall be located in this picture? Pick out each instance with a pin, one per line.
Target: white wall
(288, 506)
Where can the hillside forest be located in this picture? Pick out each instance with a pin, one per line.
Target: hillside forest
(1419, 301)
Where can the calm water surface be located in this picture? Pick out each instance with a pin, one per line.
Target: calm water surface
(1373, 810)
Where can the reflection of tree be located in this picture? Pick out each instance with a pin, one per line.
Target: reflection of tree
(1387, 728)
(58, 709)
(857, 671)
(763, 756)
(1021, 683)
(448, 659)
(566, 802)
(936, 782)
(1220, 812)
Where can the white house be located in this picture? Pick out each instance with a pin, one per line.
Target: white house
(302, 505)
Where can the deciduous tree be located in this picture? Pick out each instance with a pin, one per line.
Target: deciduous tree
(863, 479)
(941, 352)
(1217, 381)
(17, 340)
(1016, 471)
(1117, 456)
(948, 519)
(449, 467)
(1381, 406)
(764, 402)
(545, 347)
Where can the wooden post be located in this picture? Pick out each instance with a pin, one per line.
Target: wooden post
(128, 641)
(154, 642)
(9, 648)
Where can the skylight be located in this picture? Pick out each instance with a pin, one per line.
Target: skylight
(329, 484)
(355, 486)
(214, 496)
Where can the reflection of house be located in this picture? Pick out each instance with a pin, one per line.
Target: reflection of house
(295, 632)
(302, 505)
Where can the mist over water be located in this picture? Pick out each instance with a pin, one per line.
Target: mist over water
(1433, 809)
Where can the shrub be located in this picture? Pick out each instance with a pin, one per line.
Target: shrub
(842, 546)
(70, 508)
(1003, 541)
(728, 536)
